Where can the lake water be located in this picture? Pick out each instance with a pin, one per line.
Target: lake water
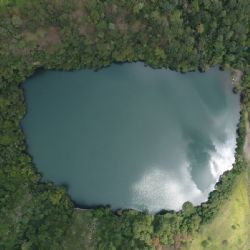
(131, 136)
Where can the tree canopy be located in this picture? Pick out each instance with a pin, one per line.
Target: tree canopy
(58, 34)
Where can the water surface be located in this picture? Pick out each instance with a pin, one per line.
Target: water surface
(131, 136)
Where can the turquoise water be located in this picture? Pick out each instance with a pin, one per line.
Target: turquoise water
(131, 136)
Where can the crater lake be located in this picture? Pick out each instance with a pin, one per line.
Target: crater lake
(130, 136)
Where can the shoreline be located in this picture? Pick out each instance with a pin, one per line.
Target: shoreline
(236, 78)
(247, 140)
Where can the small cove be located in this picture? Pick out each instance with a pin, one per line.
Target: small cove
(131, 136)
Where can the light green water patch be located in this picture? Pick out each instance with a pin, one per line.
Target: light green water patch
(131, 136)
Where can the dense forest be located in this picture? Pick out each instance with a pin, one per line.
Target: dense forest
(182, 35)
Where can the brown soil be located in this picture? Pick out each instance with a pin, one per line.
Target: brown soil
(78, 14)
(157, 244)
(50, 37)
(236, 76)
(44, 38)
(136, 26)
(86, 29)
(122, 24)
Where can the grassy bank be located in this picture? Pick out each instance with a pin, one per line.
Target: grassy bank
(230, 229)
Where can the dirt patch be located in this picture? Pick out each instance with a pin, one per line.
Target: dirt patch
(111, 10)
(30, 36)
(81, 2)
(86, 29)
(136, 26)
(51, 37)
(83, 30)
(236, 76)
(157, 244)
(78, 15)
(122, 24)
(43, 37)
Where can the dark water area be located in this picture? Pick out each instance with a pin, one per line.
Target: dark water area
(131, 136)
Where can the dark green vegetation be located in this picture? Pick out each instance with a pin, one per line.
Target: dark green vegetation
(59, 34)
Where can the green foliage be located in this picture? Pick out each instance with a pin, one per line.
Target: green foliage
(52, 34)
(205, 243)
